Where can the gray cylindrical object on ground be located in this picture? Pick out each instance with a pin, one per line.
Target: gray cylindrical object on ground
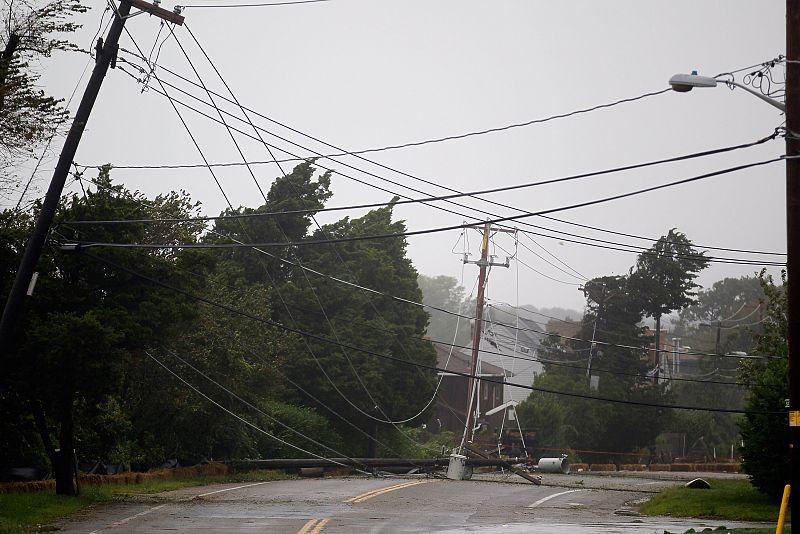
(553, 465)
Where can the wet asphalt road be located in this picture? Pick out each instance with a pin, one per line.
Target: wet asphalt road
(579, 503)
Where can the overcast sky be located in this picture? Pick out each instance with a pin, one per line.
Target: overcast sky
(365, 74)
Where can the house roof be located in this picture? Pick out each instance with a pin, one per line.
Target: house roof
(460, 362)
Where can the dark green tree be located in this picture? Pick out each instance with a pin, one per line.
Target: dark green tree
(766, 435)
(356, 385)
(87, 318)
(364, 387)
(726, 316)
(286, 216)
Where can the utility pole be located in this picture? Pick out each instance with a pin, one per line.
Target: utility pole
(793, 243)
(474, 384)
(106, 56)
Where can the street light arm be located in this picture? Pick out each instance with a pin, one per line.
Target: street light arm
(683, 83)
(771, 101)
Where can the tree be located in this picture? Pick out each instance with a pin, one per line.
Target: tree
(362, 386)
(618, 364)
(359, 386)
(292, 201)
(29, 32)
(766, 435)
(87, 319)
(664, 277)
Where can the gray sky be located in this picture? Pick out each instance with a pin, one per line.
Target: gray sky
(362, 74)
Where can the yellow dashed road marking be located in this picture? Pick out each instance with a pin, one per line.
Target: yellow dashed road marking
(374, 493)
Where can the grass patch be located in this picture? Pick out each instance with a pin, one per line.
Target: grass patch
(26, 512)
(727, 499)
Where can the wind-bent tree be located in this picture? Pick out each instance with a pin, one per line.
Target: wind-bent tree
(355, 384)
(29, 31)
(664, 277)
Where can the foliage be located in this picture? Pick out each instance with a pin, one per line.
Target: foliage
(339, 382)
(730, 309)
(114, 363)
(612, 318)
(766, 435)
(86, 320)
(611, 346)
(29, 31)
(363, 387)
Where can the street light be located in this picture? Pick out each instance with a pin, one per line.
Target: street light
(684, 83)
(791, 107)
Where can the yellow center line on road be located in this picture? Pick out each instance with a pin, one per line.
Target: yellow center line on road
(374, 493)
(313, 526)
(320, 526)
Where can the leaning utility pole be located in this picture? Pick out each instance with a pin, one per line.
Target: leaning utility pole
(457, 468)
(474, 384)
(793, 243)
(106, 56)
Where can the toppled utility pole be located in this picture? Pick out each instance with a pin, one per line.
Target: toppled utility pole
(106, 56)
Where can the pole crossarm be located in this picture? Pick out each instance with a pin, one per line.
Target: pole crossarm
(170, 16)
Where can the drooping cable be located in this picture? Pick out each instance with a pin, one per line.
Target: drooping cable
(386, 418)
(242, 419)
(219, 185)
(448, 197)
(263, 413)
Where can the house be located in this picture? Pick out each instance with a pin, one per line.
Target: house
(451, 403)
(510, 340)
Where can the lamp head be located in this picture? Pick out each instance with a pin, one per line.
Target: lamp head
(683, 83)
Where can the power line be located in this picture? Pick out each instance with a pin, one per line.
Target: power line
(445, 198)
(433, 140)
(266, 270)
(430, 199)
(259, 410)
(342, 152)
(240, 418)
(650, 239)
(449, 196)
(368, 160)
(460, 226)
